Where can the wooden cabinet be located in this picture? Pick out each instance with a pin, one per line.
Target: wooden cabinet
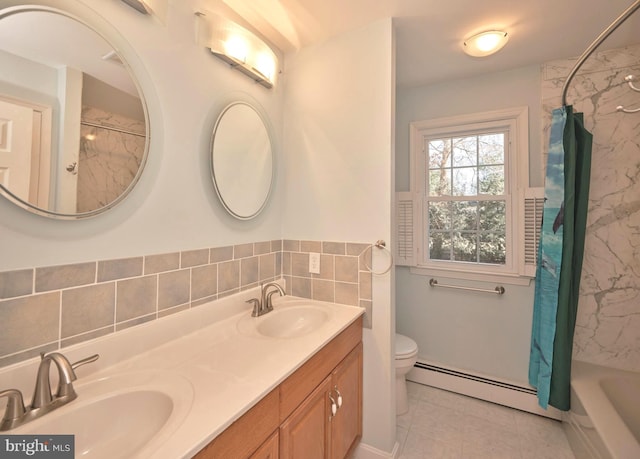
(328, 424)
(296, 420)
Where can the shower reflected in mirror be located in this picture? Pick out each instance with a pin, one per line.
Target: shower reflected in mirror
(74, 129)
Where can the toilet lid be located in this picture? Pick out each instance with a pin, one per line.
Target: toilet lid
(405, 346)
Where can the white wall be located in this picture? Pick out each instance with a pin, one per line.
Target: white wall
(481, 333)
(339, 106)
(174, 206)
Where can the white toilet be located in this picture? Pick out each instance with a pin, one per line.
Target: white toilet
(406, 356)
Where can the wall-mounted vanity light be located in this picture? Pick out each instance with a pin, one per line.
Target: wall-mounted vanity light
(485, 43)
(138, 5)
(156, 9)
(238, 47)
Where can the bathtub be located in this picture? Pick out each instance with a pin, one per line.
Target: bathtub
(604, 421)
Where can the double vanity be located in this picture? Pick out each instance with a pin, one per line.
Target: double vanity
(214, 381)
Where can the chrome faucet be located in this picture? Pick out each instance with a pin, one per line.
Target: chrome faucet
(264, 304)
(42, 395)
(266, 296)
(44, 400)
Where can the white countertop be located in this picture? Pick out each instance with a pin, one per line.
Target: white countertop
(217, 369)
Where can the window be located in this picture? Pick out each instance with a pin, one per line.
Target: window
(465, 201)
(463, 213)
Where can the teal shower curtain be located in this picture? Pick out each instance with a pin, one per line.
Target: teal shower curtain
(560, 256)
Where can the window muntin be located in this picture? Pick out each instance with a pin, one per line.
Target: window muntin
(466, 208)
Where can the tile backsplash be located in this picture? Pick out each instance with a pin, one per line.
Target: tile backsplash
(45, 308)
(344, 277)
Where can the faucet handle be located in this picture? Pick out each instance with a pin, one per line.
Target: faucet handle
(15, 404)
(15, 409)
(65, 388)
(256, 306)
(84, 361)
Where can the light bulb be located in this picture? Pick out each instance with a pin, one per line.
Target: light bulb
(265, 65)
(236, 47)
(487, 42)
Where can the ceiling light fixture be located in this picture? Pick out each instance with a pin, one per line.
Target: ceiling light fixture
(239, 48)
(485, 43)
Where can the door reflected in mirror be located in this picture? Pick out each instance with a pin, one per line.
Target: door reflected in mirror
(242, 160)
(73, 122)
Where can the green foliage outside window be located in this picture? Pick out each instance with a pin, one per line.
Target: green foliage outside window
(465, 202)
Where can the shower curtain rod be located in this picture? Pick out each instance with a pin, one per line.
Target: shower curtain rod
(602, 37)
(115, 129)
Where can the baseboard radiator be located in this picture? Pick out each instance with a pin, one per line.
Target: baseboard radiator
(479, 386)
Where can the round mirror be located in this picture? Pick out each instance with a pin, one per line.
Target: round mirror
(242, 160)
(74, 130)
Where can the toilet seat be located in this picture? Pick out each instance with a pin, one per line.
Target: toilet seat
(405, 347)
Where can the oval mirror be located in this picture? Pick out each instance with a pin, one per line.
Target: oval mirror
(242, 160)
(74, 130)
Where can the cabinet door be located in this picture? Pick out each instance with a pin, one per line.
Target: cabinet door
(269, 449)
(346, 425)
(305, 432)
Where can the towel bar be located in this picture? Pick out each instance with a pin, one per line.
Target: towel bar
(499, 290)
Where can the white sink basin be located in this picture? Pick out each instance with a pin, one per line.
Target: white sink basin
(292, 322)
(287, 320)
(119, 417)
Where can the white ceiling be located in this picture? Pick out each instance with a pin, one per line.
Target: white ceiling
(429, 32)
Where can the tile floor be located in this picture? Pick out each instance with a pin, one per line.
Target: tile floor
(445, 425)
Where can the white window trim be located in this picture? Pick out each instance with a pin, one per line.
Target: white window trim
(517, 121)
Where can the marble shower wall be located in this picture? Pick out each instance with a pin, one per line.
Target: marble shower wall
(608, 322)
(110, 157)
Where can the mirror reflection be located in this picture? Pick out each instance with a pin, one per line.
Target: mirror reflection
(242, 160)
(73, 124)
